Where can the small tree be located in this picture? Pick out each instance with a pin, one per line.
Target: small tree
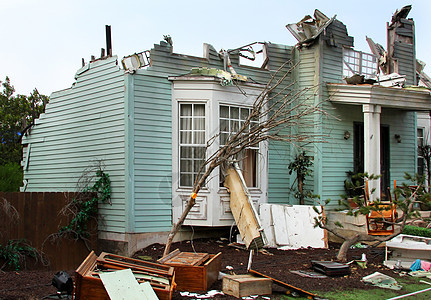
(407, 197)
(425, 152)
(277, 108)
(301, 166)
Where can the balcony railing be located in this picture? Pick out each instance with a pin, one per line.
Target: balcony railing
(358, 62)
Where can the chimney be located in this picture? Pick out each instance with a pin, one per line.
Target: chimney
(401, 45)
(108, 41)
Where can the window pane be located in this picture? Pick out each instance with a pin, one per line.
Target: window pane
(199, 152)
(234, 113)
(223, 138)
(224, 125)
(199, 138)
(186, 152)
(199, 110)
(197, 166)
(244, 113)
(199, 124)
(186, 123)
(224, 112)
(185, 165)
(186, 180)
(186, 110)
(186, 137)
(234, 126)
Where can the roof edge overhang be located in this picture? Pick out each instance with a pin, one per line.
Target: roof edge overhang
(388, 97)
(212, 79)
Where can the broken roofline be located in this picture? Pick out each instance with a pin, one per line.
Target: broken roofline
(142, 59)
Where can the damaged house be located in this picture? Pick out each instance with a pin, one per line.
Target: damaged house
(149, 118)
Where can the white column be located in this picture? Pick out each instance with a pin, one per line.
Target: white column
(372, 145)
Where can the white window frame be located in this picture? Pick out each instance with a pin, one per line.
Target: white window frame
(358, 62)
(193, 143)
(225, 134)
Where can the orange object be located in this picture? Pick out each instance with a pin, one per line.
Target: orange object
(194, 195)
(380, 222)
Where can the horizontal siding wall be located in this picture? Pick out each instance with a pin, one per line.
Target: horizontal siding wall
(403, 155)
(338, 152)
(406, 57)
(307, 82)
(80, 126)
(279, 152)
(153, 131)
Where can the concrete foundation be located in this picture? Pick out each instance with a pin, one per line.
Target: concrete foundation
(128, 243)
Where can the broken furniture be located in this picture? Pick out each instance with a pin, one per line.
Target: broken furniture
(381, 218)
(245, 285)
(242, 208)
(193, 271)
(331, 268)
(406, 249)
(88, 284)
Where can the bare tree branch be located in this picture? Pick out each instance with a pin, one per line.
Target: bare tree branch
(275, 111)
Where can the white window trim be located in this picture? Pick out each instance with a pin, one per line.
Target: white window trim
(176, 161)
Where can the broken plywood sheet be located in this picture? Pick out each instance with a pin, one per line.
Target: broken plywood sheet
(291, 226)
(242, 209)
(122, 285)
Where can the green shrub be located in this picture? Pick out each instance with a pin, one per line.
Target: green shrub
(14, 253)
(11, 176)
(418, 231)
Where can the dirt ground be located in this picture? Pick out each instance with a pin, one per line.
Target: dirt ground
(277, 264)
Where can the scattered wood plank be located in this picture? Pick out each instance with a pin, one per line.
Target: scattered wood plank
(290, 288)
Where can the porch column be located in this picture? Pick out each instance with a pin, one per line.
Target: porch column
(372, 145)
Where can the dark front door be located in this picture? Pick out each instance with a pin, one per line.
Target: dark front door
(358, 152)
(384, 161)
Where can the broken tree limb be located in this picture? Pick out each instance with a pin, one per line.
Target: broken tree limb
(277, 108)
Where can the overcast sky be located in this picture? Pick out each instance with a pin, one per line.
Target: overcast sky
(43, 41)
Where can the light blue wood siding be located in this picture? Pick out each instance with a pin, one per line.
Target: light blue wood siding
(279, 152)
(336, 152)
(403, 155)
(81, 125)
(306, 77)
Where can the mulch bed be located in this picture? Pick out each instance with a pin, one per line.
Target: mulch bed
(277, 264)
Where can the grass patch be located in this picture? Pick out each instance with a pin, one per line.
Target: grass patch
(410, 285)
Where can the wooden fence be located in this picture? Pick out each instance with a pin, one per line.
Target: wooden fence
(39, 217)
